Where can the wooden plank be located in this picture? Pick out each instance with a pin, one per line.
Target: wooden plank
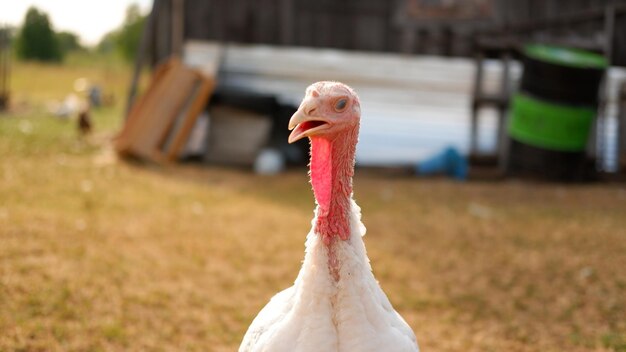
(124, 139)
(178, 21)
(266, 21)
(621, 135)
(175, 92)
(160, 110)
(564, 18)
(5, 69)
(163, 32)
(222, 26)
(200, 20)
(147, 35)
(409, 35)
(287, 28)
(236, 17)
(196, 102)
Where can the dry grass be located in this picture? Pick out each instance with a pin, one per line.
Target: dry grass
(97, 255)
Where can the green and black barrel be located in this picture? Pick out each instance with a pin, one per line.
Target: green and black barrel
(553, 112)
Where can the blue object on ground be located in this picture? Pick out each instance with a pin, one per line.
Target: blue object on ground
(95, 96)
(449, 162)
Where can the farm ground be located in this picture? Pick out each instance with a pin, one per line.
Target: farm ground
(99, 254)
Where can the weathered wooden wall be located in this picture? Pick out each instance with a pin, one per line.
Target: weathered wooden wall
(411, 26)
(349, 24)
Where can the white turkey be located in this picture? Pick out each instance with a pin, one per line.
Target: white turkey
(335, 303)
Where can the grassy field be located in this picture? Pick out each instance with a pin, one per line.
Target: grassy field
(102, 255)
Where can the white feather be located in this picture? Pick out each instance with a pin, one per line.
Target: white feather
(319, 314)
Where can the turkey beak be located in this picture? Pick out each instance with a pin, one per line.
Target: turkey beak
(303, 124)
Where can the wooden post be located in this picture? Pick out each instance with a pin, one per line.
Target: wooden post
(503, 140)
(178, 26)
(287, 15)
(609, 31)
(447, 40)
(477, 93)
(3, 71)
(504, 89)
(5, 61)
(621, 129)
(596, 142)
(408, 39)
(146, 35)
(162, 32)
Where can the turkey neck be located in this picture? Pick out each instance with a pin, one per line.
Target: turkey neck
(332, 168)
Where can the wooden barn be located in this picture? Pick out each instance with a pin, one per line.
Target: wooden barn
(432, 27)
(422, 66)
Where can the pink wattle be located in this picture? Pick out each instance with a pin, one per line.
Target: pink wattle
(322, 173)
(332, 167)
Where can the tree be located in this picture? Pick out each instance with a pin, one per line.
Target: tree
(36, 39)
(130, 34)
(7, 35)
(107, 43)
(68, 41)
(126, 38)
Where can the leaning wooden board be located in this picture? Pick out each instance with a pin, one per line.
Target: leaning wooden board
(186, 119)
(124, 139)
(160, 121)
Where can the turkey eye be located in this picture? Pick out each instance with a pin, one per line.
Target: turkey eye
(341, 104)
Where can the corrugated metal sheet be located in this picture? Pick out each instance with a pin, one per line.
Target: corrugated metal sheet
(412, 106)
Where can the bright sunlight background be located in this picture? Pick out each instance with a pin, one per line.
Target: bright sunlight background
(88, 19)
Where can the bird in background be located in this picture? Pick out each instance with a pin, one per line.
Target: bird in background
(84, 124)
(335, 304)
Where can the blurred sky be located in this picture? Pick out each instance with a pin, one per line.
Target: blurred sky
(88, 18)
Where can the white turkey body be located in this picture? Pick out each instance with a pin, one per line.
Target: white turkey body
(320, 314)
(335, 304)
